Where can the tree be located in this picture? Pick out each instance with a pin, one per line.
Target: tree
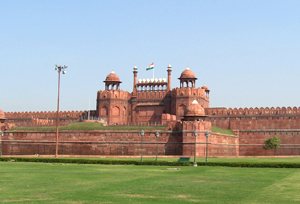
(272, 143)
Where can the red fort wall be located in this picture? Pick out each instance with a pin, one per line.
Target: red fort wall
(113, 142)
(251, 142)
(255, 125)
(257, 118)
(42, 118)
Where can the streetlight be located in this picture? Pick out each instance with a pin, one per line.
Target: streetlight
(206, 135)
(156, 135)
(142, 135)
(195, 134)
(59, 68)
(2, 133)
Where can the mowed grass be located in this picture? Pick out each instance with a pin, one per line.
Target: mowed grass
(74, 183)
(221, 130)
(99, 126)
(90, 126)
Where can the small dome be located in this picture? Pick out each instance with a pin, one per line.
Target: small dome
(187, 74)
(195, 109)
(140, 81)
(164, 80)
(112, 77)
(2, 115)
(205, 87)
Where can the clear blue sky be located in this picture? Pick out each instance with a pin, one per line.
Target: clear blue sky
(247, 52)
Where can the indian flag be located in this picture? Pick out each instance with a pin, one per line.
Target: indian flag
(151, 66)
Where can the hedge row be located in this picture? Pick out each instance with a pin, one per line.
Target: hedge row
(251, 164)
(93, 161)
(152, 163)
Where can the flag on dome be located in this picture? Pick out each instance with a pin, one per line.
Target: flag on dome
(151, 66)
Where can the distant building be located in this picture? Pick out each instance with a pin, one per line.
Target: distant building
(149, 99)
(183, 110)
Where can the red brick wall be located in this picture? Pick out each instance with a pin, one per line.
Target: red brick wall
(255, 122)
(252, 142)
(28, 119)
(91, 143)
(253, 111)
(178, 141)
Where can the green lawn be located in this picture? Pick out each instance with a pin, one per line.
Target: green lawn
(221, 130)
(74, 183)
(91, 126)
(99, 126)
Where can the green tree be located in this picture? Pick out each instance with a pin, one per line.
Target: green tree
(272, 143)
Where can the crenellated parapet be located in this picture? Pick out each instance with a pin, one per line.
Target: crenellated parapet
(152, 95)
(253, 111)
(113, 94)
(43, 114)
(188, 92)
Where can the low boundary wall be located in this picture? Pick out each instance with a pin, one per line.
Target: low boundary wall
(122, 143)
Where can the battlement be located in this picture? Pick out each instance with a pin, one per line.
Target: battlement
(253, 111)
(189, 91)
(43, 114)
(151, 95)
(116, 94)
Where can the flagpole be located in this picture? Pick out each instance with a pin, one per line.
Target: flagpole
(153, 73)
(89, 107)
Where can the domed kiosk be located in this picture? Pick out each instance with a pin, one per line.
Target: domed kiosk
(112, 81)
(206, 90)
(194, 112)
(187, 77)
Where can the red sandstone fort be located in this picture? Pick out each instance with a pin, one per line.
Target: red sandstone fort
(153, 102)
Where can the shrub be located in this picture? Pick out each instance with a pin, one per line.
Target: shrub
(272, 143)
(152, 163)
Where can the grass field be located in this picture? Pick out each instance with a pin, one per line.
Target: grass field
(91, 126)
(74, 183)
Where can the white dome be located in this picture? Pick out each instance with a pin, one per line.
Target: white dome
(164, 80)
(144, 80)
(152, 80)
(148, 80)
(156, 80)
(195, 102)
(160, 80)
(140, 81)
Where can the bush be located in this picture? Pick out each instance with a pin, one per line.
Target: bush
(251, 164)
(153, 163)
(94, 161)
(272, 143)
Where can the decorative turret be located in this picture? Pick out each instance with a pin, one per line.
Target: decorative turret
(187, 77)
(194, 112)
(2, 117)
(112, 81)
(206, 90)
(169, 77)
(134, 79)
